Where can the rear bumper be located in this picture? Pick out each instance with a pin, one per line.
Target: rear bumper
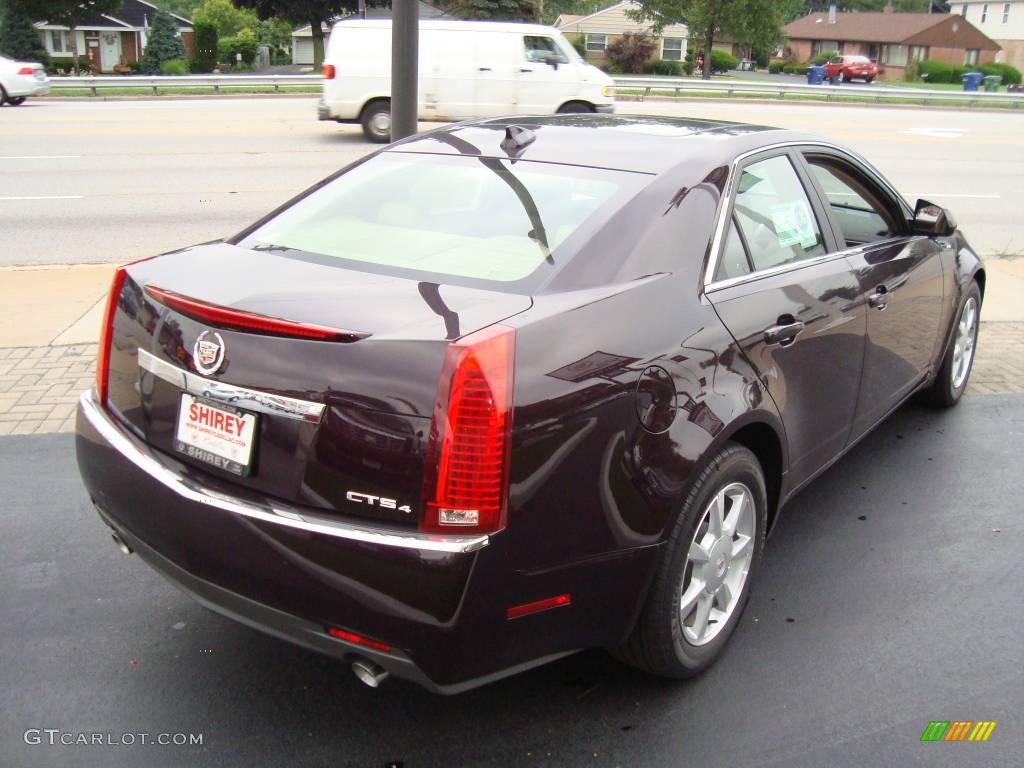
(438, 602)
(27, 86)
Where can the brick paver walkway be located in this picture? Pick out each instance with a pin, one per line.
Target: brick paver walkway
(39, 386)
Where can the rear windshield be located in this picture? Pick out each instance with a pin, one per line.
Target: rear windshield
(456, 219)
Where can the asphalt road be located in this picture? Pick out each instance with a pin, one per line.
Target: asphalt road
(890, 597)
(92, 181)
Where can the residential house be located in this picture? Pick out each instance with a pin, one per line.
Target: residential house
(892, 39)
(601, 27)
(105, 41)
(1001, 21)
(302, 38)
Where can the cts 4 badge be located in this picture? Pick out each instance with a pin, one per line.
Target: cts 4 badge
(377, 501)
(208, 352)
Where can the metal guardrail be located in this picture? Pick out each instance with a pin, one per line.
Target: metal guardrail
(780, 90)
(156, 82)
(677, 85)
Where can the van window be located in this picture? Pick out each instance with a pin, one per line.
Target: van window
(439, 217)
(543, 49)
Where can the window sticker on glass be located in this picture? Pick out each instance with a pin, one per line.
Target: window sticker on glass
(794, 225)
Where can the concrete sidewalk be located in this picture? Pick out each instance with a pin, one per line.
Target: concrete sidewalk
(50, 317)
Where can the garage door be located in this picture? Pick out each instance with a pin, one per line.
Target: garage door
(302, 50)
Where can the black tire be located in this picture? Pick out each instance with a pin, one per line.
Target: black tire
(3, 96)
(869, 80)
(950, 382)
(375, 128)
(575, 108)
(17, 101)
(658, 643)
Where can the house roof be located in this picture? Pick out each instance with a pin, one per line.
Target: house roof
(876, 27)
(133, 14)
(615, 19)
(567, 18)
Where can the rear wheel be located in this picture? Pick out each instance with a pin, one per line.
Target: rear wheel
(575, 107)
(951, 380)
(376, 121)
(704, 575)
(869, 80)
(17, 101)
(3, 96)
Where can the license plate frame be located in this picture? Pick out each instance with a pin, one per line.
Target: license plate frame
(213, 443)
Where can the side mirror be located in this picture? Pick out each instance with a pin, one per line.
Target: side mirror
(933, 220)
(551, 59)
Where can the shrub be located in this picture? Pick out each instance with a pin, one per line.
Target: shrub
(936, 71)
(244, 43)
(174, 67)
(206, 47)
(664, 68)
(824, 56)
(687, 67)
(722, 61)
(579, 42)
(1010, 74)
(19, 39)
(795, 69)
(630, 51)
(775, 67)
(164, 43)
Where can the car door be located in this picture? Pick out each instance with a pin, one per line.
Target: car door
(546, 77)
(899, 277)
(792, 304)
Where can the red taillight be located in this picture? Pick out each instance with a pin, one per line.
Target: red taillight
(546, 604)
(352, 637)
(239, 320)
(106, 336)
(466, 471)
(26, 71)
(328, 71)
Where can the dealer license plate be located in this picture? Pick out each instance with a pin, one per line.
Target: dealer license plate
(216, 434)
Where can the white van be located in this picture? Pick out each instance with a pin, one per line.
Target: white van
(466, 69)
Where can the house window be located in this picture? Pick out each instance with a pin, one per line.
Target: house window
(597, 43)
(971, 57)
(894, 55)
(672, 48)
(58, 41)
(984, 12)
(824, 46)
(1006, 12)
(918, 52)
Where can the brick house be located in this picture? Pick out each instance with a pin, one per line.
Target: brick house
(601, 27)
(105, 41)
(892, 39)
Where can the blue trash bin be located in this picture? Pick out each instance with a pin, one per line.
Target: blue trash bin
(972, 80)
(816, 75)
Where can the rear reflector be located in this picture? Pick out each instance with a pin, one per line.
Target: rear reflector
(106, 336)
(352, 637)
(466, 470)
(540, 605)
(239, 320)
(328, 71)
(26, 71)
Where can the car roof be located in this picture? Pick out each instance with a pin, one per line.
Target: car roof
(645, 144)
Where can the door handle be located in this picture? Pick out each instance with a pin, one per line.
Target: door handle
(879, 299)
(784, 332)
(526, 70)
(485, 69)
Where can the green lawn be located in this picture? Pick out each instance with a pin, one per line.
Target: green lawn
(851, 98)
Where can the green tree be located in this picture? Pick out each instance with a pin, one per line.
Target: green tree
(206, 46)
(515, 10)
(228, 19)
(180, 7)
(163, 43)
(69, 13)
(750, 23)
(18, 38)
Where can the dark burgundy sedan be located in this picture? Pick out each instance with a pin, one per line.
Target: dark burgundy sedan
(514, 388)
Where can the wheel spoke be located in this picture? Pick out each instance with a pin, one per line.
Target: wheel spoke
(736, 511)
(698, 554)
(689, 597)
(715, 515)
(741, 547)
(723, 597)
(700, 618)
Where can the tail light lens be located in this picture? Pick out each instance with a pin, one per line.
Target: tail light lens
(106, 333)
(26, 71)
(328, 71)
(466, 477)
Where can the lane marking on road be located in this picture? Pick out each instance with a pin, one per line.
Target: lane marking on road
(45, 197)
(40, 157)
(937, 133)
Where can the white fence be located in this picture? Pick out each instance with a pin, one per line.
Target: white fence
(646, 85)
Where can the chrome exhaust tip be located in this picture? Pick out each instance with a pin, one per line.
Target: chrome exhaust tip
(121, 544)
(369, 673)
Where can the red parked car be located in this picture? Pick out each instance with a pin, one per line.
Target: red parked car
(840, 68)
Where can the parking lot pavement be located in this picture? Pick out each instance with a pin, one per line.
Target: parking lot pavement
(890, 597)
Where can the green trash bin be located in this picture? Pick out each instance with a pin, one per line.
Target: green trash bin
(992, 83)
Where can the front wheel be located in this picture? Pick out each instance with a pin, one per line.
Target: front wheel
(951, 380)
(376, 122)
(869, 80)
(703, 578)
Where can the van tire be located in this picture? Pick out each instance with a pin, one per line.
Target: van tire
(376, 121)
(575, 108)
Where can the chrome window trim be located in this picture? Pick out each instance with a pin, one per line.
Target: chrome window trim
(266, 511)
(722, 224)
(242, 397)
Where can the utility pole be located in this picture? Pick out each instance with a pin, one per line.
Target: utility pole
(362, 9)
(405, 37)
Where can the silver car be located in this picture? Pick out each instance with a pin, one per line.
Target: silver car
(21, 79)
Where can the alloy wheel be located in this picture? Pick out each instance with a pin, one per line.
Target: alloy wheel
(963, 345)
